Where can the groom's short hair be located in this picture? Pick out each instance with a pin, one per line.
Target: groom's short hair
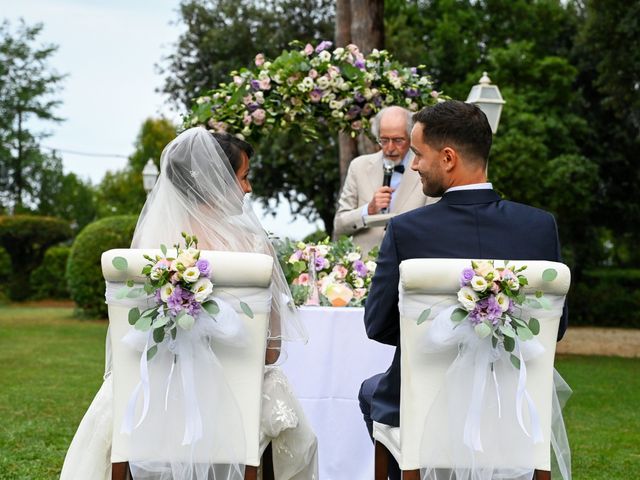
(462, 126)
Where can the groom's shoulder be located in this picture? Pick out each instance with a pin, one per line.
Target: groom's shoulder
(523, 208)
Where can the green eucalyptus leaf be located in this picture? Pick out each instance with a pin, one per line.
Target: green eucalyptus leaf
(482, 330)
(423, 316)
(509, 344)
(160, 320)
(458, 315)
(158, 334)
(549, 275)
(120, 264)
(174, 332)
(507, 331)
(515, 361)
(186, 321)
(246, 309)
(148, 288)
(211, 307)
(151, 352)
(134, 315)
(143, 324)
(163, 249)
(494, 341)
(534, 325)
(524, 334)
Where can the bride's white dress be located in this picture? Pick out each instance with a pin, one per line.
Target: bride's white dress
(293, 443)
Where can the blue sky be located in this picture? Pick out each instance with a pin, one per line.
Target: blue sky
(109, 50)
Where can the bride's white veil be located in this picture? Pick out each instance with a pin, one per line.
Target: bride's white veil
(197, 192)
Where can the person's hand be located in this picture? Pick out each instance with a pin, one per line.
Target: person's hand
(381, 199)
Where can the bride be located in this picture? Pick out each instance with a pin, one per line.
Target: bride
(201, 189)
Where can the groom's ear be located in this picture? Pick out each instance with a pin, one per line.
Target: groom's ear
(449, 159)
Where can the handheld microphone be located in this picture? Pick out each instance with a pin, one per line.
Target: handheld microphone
(387, 166)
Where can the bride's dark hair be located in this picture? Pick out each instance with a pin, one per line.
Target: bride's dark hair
(232, 147)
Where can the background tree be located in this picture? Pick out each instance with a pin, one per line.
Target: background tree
(121, 192)
(27, 91)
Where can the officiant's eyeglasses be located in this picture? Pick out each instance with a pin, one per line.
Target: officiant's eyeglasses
(383, 141)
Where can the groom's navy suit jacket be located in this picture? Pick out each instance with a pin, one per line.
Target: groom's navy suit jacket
(474, 224)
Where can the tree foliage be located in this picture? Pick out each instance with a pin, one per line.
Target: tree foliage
(27, 91)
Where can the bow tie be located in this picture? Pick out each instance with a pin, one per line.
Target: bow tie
(399, 168)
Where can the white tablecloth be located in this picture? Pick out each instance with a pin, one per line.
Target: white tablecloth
(326, 375)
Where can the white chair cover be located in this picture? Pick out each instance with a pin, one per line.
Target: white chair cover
(437, 382)
(232, 357)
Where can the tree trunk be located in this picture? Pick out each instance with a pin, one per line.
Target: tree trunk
(17, 206)
(367, 24)
(343, 23)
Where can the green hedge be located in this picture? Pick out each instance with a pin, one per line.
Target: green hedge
(26, 238)
(606, 297)
(49, 279)
(84, 273)
(5, 272)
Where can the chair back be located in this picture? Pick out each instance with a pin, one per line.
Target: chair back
(235, 275)
(434, 282)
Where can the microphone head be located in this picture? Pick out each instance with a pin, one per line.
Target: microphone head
(388, 165)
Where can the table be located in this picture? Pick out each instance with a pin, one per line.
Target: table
(325, 375)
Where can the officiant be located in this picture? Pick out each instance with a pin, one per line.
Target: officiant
(381, 182)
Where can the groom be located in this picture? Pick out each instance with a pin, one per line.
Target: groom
(451, 143)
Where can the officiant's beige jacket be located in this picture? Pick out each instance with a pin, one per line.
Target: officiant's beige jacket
(364, 177)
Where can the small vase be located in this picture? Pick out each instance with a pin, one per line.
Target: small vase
(313, 299)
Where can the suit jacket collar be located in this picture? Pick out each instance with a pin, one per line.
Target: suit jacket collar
(469, 197)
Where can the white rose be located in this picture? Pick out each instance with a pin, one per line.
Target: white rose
(468, 298)
(353, 256)
(322, 250)
(484, 267)
(514, 284)
(191, 274)
(371, 266)
(156, 273)
(166, 291)
(186, 259)
(503, 301)
(338, 52)
(358, 282)
(324, 56)
(479, 284)
(202, 289)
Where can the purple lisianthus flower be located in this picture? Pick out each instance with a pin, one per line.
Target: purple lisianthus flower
(174, 302)
(255, 84)
(204, 266)
(411, 92)
(193, 307)
(466, 276)
(157, 297)
(414, 70)
(360, 268)
(359, 64)
(377, 100)
(494, 312)
(321, 263)
(316, 95)
(358, 97)
(323, 45)
(353, 112)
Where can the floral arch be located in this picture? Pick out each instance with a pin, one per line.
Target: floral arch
(307, 87)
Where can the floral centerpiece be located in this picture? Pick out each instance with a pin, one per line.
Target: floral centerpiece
(306, 86)
(342, 273)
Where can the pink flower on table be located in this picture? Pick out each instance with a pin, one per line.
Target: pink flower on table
(259, 60)
(358, 293)
(308, 49)
(340, 272)
(303, 279)
(333, 71)
(259, 116)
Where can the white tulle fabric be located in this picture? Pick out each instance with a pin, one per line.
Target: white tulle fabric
(492, 426)
(197, 192)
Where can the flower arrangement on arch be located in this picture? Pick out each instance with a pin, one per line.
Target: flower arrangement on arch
(343, 274)
(340, 88)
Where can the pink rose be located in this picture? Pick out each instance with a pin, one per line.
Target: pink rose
(265, 83)
(313, 73)
(315, 96)
(357, 125)
(237, 80)
(247, 99)
(434, 94)
(358, 293)
(246, 120)
(308, 49)
(259, 60)
(259, 116)
(340, 271)
(303, 279)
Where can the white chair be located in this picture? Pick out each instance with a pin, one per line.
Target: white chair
(423, 373)
(235, 275)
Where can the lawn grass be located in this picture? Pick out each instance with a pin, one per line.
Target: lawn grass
(51, 366)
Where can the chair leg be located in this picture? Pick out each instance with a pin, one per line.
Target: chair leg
(250, 473)
(541, 475)
(381, 456)
(267, 464)
(411, 475)
(120, 471)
